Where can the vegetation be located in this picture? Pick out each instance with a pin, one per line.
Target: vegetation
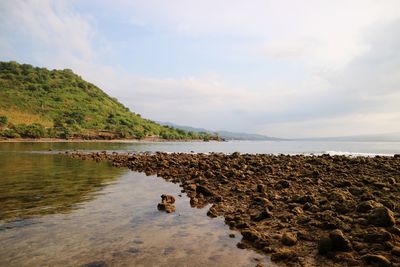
(37, 102)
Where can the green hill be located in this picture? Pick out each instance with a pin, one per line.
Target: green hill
(37, 102)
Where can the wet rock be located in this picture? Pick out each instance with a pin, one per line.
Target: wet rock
(242, 245)
(167, 199)
(169, 208)
(289, 239)
(95, 264)
(166, 203)
(381, 217)
(376, 260)
(250, 235)
(204, 190)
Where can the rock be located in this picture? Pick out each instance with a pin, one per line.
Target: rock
(304, 199)
(204, 190)
(396, 251)
(284, 254)
(368, 205)
(95, 264)
(250, 235)
(339, 241)
(282, 184)
(167, 199)
(169, 208)
(232, 235)
(378, 236)
(324, 245)
(376, 260)
(262, 215)
(381, 216)
(297, 210)
(260, 188)
(242, 245)
(289, 239)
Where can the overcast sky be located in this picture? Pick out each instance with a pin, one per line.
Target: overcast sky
(282, 68)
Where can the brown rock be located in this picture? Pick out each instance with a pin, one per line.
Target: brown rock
(284, 254)
(381, 217)
(167, 207)
(376, 260)
(289, 239)
(339, 241)
(167, 199)
(368, 205)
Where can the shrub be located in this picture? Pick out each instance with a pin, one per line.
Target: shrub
(9, 133)
(34, 130)
(3, 121)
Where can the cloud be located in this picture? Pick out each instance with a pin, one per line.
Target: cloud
(328, 68)
(48, 30)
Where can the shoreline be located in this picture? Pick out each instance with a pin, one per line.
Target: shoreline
(56, 140)
(301, 210)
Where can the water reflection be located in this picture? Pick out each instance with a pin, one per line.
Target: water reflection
(57, 211)
(43, 184)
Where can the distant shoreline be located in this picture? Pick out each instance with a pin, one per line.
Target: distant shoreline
(57, 140)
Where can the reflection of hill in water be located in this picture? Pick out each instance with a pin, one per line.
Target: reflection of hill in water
(36, 184)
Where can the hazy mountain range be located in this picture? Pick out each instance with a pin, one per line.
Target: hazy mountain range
(227, 135)
(224, 134)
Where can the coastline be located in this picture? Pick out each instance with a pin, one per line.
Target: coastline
(302, 210)
(56, 140)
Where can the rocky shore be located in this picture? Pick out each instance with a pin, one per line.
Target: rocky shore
(302, 210)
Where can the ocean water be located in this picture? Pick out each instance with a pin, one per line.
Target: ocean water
(262, 147)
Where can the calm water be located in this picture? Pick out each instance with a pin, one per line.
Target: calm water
(56, 211)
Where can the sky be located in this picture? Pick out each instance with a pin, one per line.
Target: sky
(284, 68)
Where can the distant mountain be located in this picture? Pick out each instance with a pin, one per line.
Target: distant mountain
(386, 137)
(224, 134)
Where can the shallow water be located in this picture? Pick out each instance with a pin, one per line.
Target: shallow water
(57, 211)
(269, 147)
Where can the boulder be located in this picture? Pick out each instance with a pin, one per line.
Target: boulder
(381, 216)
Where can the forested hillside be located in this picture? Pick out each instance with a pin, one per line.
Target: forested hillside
(37, 102)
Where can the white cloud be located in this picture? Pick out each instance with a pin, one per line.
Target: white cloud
(348, 49)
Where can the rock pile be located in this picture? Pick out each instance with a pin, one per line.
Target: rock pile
(303, 210)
